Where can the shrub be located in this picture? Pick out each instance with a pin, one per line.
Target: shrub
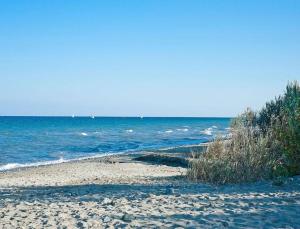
(286, 127)
(264, 145)
(246, 157)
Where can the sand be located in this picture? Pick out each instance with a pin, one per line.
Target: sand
(118, 192)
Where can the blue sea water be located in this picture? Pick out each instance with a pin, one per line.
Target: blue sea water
(26, 141)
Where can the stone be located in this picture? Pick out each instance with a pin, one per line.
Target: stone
(81, 224)
(127, 218)
(110, 207)
(45, 222)
(201, 208)
(106, 219)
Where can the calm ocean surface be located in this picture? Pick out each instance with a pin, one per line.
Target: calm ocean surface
(26, 141)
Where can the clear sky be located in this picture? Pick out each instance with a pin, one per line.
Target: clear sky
(150, 58)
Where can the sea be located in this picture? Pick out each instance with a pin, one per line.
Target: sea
(34, 141)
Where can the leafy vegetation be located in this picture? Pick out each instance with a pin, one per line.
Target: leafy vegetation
(263, 145)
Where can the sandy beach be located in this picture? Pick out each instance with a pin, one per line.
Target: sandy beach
(149, 114)
(120, 192)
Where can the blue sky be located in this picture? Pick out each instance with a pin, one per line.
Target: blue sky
(150, 58)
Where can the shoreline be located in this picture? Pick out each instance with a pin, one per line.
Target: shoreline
(121, 192)
(9, 167)
(105, 169)
(52, 162)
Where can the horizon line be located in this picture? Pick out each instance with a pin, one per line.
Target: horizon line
(112, 116)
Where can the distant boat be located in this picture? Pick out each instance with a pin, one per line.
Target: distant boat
(92, 116)
(141, 117)
(73, 116)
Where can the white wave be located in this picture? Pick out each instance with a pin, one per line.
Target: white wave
(207, 131)
(228, 128)
(129, 131)
(214, 127)
(184, 129)
(10, 166)
(84, 134)
(169, 131)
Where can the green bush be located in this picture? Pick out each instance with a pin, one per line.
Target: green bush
(286, 127)
(263, 145)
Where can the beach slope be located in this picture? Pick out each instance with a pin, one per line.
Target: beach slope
(120, 192)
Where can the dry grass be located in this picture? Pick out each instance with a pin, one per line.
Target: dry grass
(264, 145)
(246, 157)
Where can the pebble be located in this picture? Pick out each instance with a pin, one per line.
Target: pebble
(127, 218)
(81, 224)
(106, 219)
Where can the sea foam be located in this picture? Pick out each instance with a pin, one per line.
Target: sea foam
(207, 131)
(10, 166)
(183, 129)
